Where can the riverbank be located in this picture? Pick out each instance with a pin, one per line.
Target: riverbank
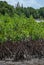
(30, 62)
(22, 50)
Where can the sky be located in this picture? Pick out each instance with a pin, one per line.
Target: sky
(27, 3)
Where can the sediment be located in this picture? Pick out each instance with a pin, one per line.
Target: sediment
(22, 50)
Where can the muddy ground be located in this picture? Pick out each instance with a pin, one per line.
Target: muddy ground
(30, 62)
(22, 50)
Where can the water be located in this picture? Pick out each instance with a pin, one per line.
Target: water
(38, 20)
(29, 62)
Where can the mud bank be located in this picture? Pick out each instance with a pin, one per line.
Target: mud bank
(22, 50)
(30, 62)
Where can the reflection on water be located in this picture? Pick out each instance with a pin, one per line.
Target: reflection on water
(30, 62)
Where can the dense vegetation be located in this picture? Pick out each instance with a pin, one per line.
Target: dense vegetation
(6, 9)
(19, 23)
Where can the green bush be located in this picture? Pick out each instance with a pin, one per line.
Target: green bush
(19, 27)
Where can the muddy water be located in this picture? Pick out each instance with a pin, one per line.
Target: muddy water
(30, 62)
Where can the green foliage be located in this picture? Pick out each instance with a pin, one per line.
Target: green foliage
(20, 25)
(6, 9)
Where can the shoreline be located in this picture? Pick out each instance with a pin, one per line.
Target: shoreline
(25, 62)
(22, 50)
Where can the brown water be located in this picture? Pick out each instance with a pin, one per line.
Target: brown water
(30, 62)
